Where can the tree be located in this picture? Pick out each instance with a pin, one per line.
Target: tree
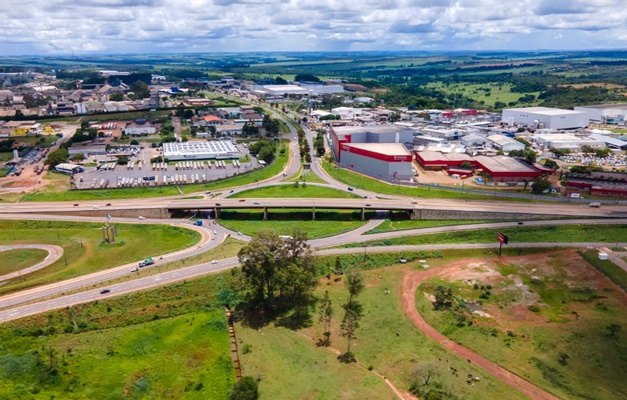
(443, 297)
(122, 160)
(423, 379)
(280, 81)
(348, 328)
(250, 128)
(548, 163)
(540, 184)
(354, 283)
(134, 142)
(140, 90)
(271, 125)
(465, 165)
(279, 274)
(246, 388)
(118, 95)
(326, 313)
(587, 149)
(604, 152)
(77, 157)
(56, 157)
(306, 78)
(614, 329)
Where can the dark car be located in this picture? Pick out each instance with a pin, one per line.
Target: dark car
(105, 291)
(76, 205)
(218, 204)
(108, 204)
(520, 222)
(242, 200)
(368, 205)
(350, 188)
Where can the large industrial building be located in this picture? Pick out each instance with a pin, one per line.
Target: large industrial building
(380, 160)
(607, 113)
(294, 90)
(379, 151)
(567, 141)
(220, 150)
(544, 117)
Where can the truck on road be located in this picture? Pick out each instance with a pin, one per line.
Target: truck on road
(596, 204)
(146, 262)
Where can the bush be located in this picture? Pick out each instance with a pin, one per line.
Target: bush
(246, 389)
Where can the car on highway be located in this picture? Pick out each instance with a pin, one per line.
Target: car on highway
(256, 202)
(520, 223)
(414, 202)
(75, 204)
(108, 205)
(218, 204)
(135, 269)
(141, 218)
(368, 205)
(239, 233)
(350, 188)
(214, 261)
(242, 200)
(105, 291)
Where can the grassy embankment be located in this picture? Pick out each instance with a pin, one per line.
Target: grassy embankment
(327, 223)
(52, 194)
(170, 342)
(15, 260)
(550, 328)
(84, 250)
(290, 191)
(520, 234)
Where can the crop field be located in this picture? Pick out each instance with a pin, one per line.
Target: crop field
(327, 222)
(546, 317)
(15, 260)
(163, 344)
(84, 249)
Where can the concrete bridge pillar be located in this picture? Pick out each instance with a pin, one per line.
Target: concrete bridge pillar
(363, 214)
(216, 212)
(313, 213)
(265, 213)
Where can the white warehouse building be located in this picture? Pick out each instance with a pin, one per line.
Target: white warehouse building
(220, 150)
(552, 118)
(610, 113)
(505, 143)
(567, 141)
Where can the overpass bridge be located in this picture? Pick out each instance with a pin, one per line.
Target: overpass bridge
(415, 208)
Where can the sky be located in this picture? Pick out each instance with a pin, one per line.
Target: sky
(48, 27)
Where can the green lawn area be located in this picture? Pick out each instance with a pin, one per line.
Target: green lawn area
(6, 156)
(390, 225)
(308, 176)
(499, 91)
(552, 332)
(292, 367)
(167, 343)
(526, 234)
(291, 192)
(15, 260)
(162, 191)
(389, 343)
(327, 223)
(84, 250)
(363, 182)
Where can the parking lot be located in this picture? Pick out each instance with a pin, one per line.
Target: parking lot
(141, 172)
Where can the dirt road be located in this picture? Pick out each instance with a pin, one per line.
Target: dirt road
(411, 281)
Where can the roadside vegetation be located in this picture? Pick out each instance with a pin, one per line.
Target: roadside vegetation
(170, 342)
(294, 191)
(84, 249)
(402, 224)
(517, 234)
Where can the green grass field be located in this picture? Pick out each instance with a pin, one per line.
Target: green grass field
(303, 176)
(327, 223)
(390, 225)
(388, 342)
(521, 234)
(606, 267)
(15, 260)
(167, 343)
(84, 250)
(289, 191)
(551, 330)
(6, 156)
(500, 91)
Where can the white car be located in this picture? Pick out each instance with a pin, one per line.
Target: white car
(141, 218)
(214, 261)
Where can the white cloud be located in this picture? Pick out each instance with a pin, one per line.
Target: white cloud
(53, 26)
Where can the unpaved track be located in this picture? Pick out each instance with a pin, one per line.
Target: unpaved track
(411, 281)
